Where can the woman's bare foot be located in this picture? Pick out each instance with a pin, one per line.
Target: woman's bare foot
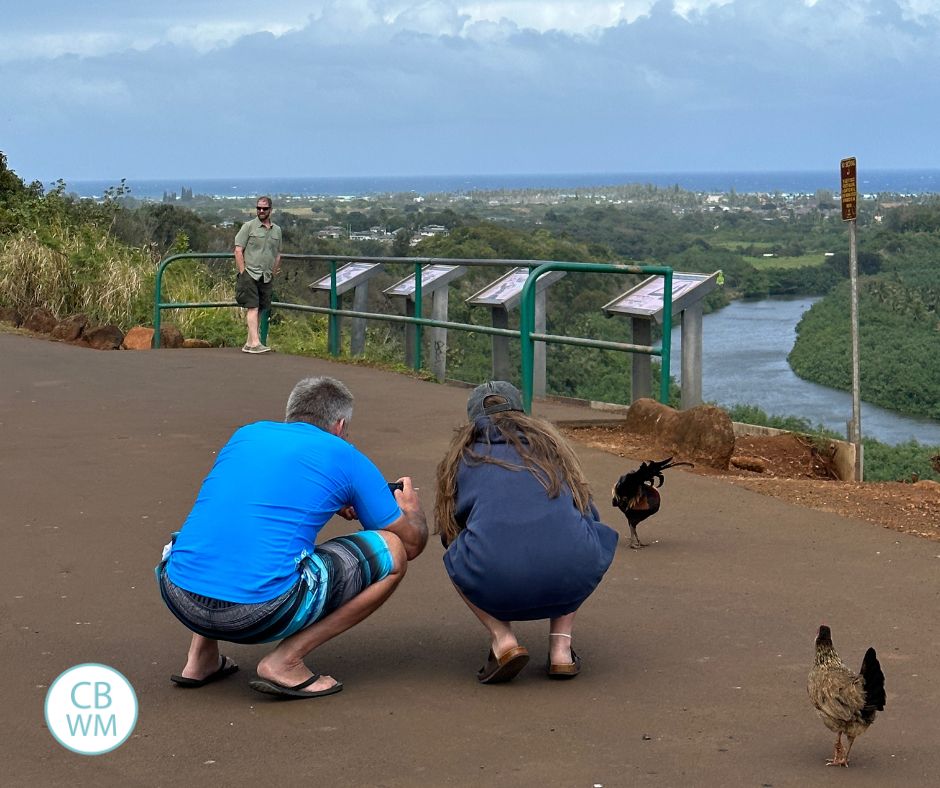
(560, 648)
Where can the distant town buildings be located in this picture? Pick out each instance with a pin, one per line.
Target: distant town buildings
(380, 233)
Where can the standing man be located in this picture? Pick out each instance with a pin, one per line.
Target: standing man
(258, 259)
(246, 568)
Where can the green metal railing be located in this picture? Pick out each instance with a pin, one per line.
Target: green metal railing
(526, 334)
(529, 337)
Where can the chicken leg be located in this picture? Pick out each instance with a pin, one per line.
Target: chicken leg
(635, 543)
(839, 757)
(845, 758)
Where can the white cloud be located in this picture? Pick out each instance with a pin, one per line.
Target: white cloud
(206, 36)
(58, 27)
(450, 85)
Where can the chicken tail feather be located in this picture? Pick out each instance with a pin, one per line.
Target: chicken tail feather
(874, 685)
(630, 485)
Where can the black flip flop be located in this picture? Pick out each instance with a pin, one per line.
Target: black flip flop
(297, 691)
(227, 668)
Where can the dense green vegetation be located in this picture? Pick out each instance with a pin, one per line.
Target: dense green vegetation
(898, 341)
(99, 257)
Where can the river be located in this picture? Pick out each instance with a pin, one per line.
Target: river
(744, 361)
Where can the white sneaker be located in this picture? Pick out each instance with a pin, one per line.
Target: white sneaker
(256, 349)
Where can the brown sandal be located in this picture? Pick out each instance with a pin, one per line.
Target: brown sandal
(505, 667)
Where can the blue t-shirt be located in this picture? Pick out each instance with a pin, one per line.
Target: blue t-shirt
(521, 555)
(273, 487)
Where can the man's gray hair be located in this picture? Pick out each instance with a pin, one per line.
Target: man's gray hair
(320, 401)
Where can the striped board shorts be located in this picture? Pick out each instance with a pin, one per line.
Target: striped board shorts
(337, 571)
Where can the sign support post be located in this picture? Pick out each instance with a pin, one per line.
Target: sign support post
(435, 280)
(355, 277)
(646, 302)
(849, 214)
(505, 294)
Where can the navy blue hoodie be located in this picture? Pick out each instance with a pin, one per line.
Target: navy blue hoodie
(521, 555)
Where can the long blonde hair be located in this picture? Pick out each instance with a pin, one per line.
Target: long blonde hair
(544, 453)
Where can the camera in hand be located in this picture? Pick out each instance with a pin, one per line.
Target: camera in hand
(392, 486)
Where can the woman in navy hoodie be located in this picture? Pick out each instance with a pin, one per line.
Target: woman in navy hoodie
(524, 540)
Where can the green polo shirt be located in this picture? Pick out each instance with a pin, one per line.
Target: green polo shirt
(261, 245)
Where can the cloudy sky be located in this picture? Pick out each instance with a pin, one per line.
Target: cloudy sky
(198, 89)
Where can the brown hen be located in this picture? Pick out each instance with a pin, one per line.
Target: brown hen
(845, 701)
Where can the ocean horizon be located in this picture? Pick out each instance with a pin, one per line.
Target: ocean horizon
(886, 181)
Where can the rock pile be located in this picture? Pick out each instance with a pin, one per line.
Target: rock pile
(78, 330)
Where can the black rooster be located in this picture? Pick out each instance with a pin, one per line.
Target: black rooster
(636, 496)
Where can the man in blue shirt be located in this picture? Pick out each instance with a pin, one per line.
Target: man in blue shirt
(245, 567)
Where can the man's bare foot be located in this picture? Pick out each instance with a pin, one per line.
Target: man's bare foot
(202, 664)
(291, 676)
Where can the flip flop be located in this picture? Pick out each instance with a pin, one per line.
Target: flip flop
(505, 667)
(297, 691)
(564, 670)
(227, 668)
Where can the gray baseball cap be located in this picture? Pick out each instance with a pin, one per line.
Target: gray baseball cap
(499, 388)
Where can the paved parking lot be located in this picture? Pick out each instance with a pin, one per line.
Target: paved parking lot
(695, 649)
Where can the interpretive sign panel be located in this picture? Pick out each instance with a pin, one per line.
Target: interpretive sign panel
(849, 190)
(506, 290)
(348, 277)
(646, 299)
(433, 277)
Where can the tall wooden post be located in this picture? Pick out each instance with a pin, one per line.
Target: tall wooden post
(849, 197)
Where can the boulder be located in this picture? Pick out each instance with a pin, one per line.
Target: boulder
(9, 314)
(170, 336)
(40, 321)
(704, 433)
(107, 337)
(196, 343)
(748, 463)
(71, 328)
(648, 417)
(138, 338)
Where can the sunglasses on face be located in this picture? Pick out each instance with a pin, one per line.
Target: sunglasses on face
(263, 208)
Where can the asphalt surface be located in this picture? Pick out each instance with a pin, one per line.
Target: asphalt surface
(695, 649)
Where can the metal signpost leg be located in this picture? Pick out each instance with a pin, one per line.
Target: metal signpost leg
(538, 353)
(641, 385)
(357, 331)
(692, 356)
(500, 345)
(439, 335)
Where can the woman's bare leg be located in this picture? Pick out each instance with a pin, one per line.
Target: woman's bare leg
(559, 645)
(502, 638)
